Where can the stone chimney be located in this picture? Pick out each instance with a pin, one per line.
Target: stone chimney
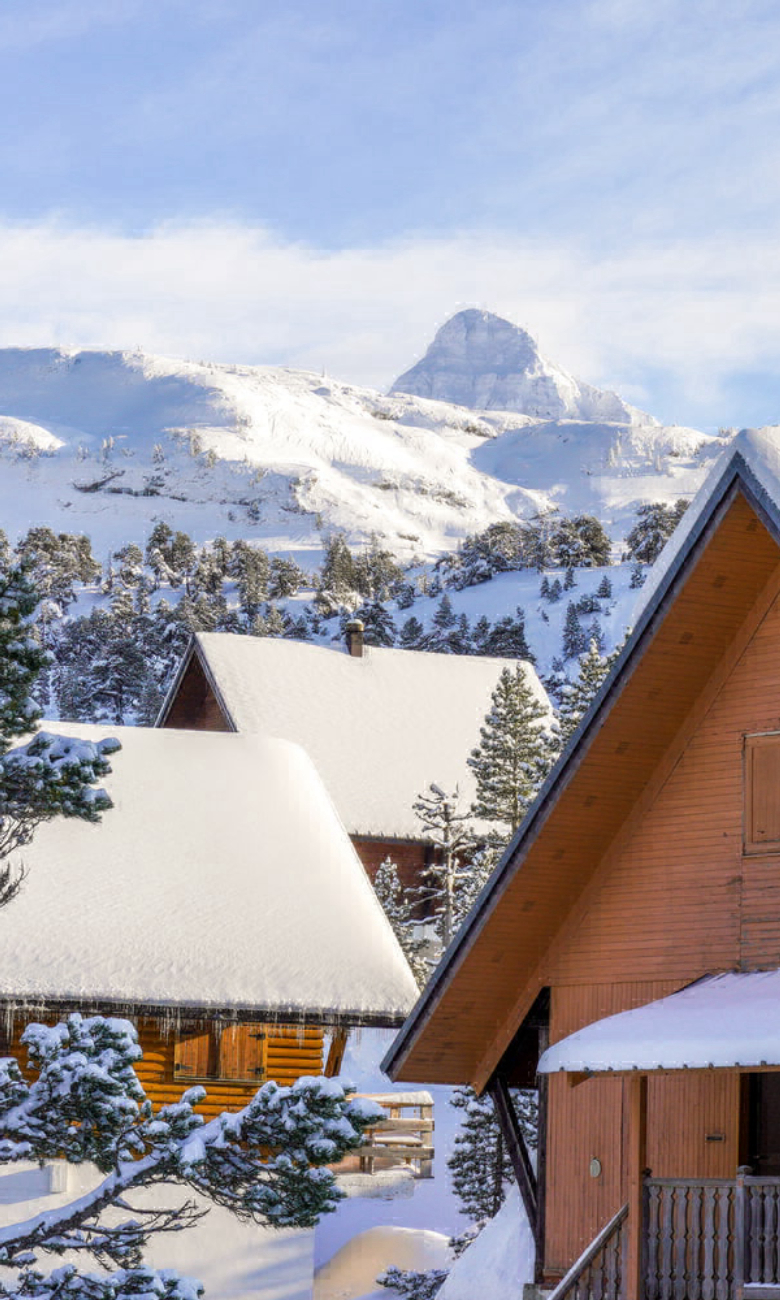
(354, 638)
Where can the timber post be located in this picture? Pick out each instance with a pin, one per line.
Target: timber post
(636, 1160)
(740, 1231)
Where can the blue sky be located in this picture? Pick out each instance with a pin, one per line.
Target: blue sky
(322, 185)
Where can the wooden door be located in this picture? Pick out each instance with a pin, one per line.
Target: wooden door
(764, 1153)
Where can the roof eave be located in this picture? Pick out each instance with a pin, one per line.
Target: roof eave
(737, 475)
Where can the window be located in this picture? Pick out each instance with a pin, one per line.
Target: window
(762, 793)
(236, 1052)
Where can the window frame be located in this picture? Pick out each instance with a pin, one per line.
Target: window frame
(752, 847)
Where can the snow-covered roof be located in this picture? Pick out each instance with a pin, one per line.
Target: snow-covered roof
(379, 728)
(755, 455)
(723, 1020)
(221, 879)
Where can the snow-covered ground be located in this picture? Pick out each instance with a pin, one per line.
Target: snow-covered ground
(107, 442)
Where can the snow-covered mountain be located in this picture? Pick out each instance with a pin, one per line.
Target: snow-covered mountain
(482, 361)
(108, 442)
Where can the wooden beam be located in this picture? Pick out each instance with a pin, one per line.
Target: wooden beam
(635, 1110)
(518, 1151)
(336, 1050)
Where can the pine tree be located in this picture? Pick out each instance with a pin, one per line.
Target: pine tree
(443, 621)
(400, 907)
(576, 697)
(378, 626)
(655, 523)
(81, 1100)
(569, 581)
(286, 578)
(574, 639)
(507, 639)
(544, 590)
(480, 1166)
(637, 576)
(515, 753)
(481, 635)
(250, 568)
(448, 828)
(337, 576)
(412, 634)
(49, 775)
(604, 589)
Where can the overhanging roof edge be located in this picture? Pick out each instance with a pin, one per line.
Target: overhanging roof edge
(737, 474)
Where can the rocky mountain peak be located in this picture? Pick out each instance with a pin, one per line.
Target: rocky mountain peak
(485, 362)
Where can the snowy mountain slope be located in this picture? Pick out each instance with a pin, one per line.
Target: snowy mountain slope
(482, 361)
(107, 442)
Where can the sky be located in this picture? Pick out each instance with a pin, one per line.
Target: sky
(284, 182)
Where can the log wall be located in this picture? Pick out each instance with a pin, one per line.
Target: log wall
(291, 1051)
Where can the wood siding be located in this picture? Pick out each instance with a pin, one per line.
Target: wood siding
(289, 1051)
(195, 706)
(605, 790)
(676, 896)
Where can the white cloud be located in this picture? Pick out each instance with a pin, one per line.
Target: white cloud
(682, 318)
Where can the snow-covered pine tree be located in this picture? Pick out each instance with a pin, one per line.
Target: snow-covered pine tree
(637, 576)
(378, 626)
(47, 776)
(400, 905)
(515, 753)
(507, 640)
(655, 523)
(604, 589)
(576, 697)
(266, 1163)
(442, 624)
(448, 828)
(574, 639)
(479, 1164)
(286, 578)
(412, 634)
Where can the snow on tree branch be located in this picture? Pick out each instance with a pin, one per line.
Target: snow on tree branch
(266, 1163)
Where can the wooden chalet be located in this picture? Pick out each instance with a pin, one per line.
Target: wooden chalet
(630, 938)
(380, 725)
(219, 904)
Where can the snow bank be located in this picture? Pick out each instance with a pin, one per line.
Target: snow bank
(353, 1270)
(499, 1262)
(379, 728)
(221, 878)
(724, 1020)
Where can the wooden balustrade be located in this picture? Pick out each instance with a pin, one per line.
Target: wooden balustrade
(401, 1138)
(598, 1273)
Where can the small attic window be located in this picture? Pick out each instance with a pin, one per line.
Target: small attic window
(762, 793)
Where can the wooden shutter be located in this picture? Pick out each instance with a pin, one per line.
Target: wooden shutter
(243, 1052)
(193, 1054)
(762, 793)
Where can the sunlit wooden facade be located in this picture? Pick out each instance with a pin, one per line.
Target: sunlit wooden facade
(651, 859)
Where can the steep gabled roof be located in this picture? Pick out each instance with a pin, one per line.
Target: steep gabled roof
(379, 728)
(705, 586)
(221, 880)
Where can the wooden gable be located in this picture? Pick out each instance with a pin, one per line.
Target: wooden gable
(194, 704)
(672, 672)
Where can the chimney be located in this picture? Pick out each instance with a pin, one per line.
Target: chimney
(354, 638)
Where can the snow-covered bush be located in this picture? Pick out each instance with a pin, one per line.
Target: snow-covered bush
(265, 1163)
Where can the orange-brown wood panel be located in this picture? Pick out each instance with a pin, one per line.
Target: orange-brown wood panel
(408, 855)
(195, 706)
(692, 1126)
(292, 1051)
(671, 904)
